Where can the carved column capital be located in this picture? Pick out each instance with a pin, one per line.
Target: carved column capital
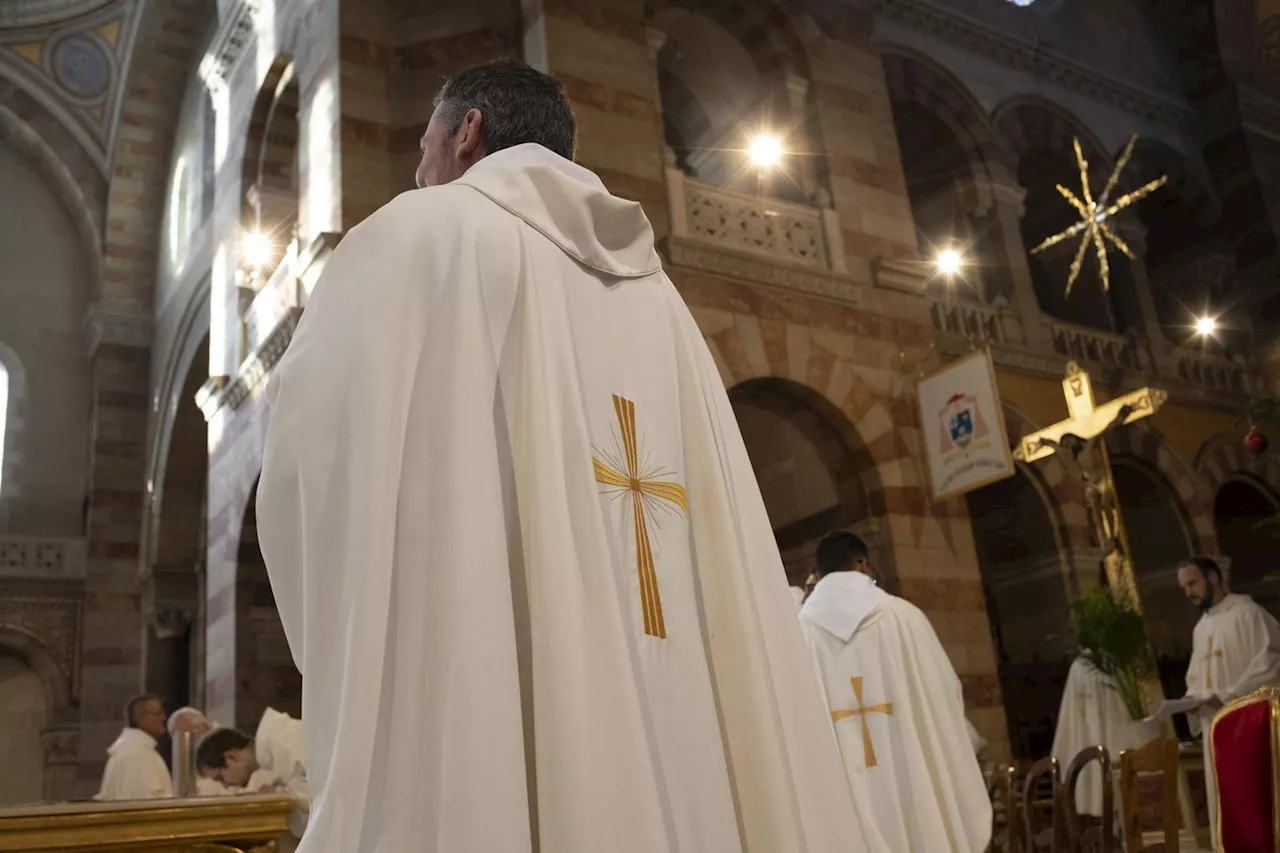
(170, 623)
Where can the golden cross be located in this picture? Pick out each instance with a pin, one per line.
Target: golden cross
(1087, 419)
(644, 491)
(860, 711)
(1208, 664)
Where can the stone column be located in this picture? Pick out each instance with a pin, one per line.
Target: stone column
(1008, 209)
(797, 89)
(119, 344)
(1159, 348)
(606, 61)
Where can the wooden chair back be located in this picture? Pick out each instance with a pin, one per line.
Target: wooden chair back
(1042, 794)
(1085, 834)
(1006, 827)
(1160, 756)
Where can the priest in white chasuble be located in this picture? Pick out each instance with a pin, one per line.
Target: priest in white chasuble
(1093, 714)
(897, 707)
(517, 545)
(1235, 648)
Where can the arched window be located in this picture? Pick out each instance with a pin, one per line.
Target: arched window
(4, 413)
(179, 213)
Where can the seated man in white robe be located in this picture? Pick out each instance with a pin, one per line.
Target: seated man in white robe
(269, 762)
(195, 723)
(1235, 649)
(135, 770)
(1093, 714)
(897, 707)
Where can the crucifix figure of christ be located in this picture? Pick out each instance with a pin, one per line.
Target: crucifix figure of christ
(1080, 442)
(860, 711)
(630, 478)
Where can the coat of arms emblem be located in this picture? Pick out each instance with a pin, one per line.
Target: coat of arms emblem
(962, 423)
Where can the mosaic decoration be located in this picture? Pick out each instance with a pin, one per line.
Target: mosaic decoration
(76, 70)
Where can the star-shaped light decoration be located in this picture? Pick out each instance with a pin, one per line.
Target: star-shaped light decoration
(1094, 215)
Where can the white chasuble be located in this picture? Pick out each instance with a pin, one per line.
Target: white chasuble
(135, 770)
(519, 551)
(1235, 650)
(1093, 714)
(898, 711)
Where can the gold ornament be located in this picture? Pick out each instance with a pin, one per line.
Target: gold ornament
(1094, 215)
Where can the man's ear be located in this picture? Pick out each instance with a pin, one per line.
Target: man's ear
(469, 141)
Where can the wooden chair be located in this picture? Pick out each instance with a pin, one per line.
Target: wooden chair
(1084, 833)
(1160, 756)
(1042, 793)
(1005, 821)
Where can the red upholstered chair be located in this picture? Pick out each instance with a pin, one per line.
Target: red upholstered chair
(1244, 757)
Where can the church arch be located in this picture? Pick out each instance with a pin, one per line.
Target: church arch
(270, 181)
(809, 465)
(1040, 134)
(1245, 511)
(1191, 495)
(1024, 559)
(264, 669)
(727, 71)
(951, 163)
(23, 717)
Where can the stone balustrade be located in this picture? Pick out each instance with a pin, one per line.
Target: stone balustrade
(272, 303)
(1079, 343)
(1214, 373)
(970, 320)
(794, 234)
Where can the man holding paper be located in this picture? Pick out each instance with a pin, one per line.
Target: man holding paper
(1235, 650)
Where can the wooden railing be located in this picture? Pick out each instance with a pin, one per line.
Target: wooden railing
(246, 824)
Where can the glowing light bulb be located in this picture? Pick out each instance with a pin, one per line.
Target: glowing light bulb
(1206, 326)
(765, 151)
(256, 249)
(948, 262)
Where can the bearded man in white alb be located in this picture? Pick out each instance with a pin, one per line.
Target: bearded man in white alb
(897, 707)
(135, 770)
(516, 542)
(1235, 649)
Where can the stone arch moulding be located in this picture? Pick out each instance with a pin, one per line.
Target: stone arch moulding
(914, 77)
(1223, 458)
(32, 650)
(278, 77)
(193, 329)
(1032, 122)
(764, 29)
(70, 193)
(1146, 449)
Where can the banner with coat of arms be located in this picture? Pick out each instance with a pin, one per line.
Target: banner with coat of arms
(966, 445)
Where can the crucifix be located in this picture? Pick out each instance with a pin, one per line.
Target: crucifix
(1080, 442)
(860, 711)
(630, 477)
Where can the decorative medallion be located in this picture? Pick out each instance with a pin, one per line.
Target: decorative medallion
(81, 66)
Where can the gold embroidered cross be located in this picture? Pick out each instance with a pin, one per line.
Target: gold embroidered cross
(1208, 664)
(645, 492)
(860, 710)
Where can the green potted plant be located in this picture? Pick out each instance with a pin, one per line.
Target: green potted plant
(1110, 636)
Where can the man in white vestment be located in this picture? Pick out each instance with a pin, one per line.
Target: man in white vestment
(1235, 649)
(1093, 714)
(517, 545)
(193, 722)
(269, 762)
(135, 769)
(897, 707)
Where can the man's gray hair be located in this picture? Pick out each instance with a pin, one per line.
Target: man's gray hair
(517, 104)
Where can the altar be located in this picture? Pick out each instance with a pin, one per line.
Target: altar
(240, 824)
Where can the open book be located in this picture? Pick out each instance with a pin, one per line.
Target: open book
(1169, 707)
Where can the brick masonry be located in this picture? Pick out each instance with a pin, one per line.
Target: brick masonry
(385, 60)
